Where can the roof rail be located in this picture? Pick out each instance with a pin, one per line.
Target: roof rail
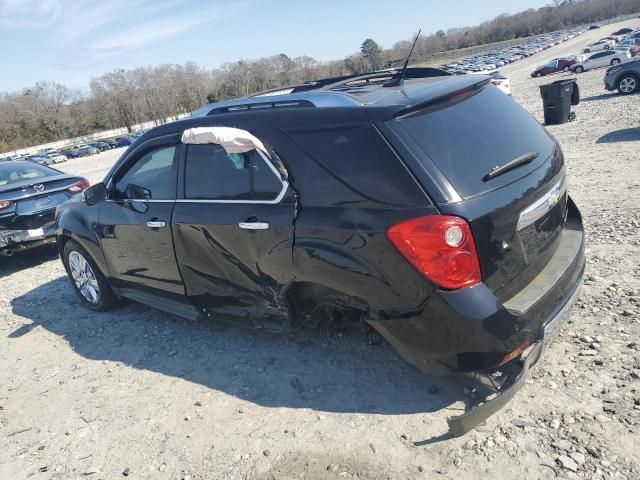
(335, 82)
(240, 107)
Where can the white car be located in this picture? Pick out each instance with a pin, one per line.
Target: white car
(57, 157)
(599, 45)
(601, 59)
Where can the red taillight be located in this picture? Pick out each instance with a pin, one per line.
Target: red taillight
(4, 204)
(441, 248)
(80, 186)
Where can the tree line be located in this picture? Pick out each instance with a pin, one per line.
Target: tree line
(50, 111)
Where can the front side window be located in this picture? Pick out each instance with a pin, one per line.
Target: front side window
(213, 174)
(553, 64)
(151, 177)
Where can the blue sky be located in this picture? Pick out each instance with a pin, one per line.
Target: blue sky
(70, 41)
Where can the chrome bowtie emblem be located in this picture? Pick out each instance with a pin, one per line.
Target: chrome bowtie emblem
(38, 188)
(554, 198)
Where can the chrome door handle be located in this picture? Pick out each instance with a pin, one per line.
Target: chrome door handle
(156, 224)
(254, 225)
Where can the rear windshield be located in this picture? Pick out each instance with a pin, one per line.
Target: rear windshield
(18, 172)
(465, 140)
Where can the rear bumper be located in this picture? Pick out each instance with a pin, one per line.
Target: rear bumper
(12, 241)
(516, 372)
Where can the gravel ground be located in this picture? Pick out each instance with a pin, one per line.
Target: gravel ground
(140, 394)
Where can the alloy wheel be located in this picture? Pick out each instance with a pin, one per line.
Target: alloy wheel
(84, 277)
(628, 85)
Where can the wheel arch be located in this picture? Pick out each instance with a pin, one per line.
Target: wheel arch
(79, 225)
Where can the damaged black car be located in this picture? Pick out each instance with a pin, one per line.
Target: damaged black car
(434, 209)
(29, 195)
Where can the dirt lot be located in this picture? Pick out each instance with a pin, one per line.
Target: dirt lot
(142, 394)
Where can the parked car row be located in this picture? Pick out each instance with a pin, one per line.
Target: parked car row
(619, 47)
(50, 156)
(492, 60)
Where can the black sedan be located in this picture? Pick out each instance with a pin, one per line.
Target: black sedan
(29, 195)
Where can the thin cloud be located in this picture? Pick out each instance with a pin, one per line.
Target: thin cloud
(151, 32)
(33, 14)
(85, 19)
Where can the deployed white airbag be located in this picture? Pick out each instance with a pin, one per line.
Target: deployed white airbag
(233, 140)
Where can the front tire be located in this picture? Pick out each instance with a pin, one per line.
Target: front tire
(607, 47)
(615, 61)
(579, 69)
(87, 280)
(628, 84)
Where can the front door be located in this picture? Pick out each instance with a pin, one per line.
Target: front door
(233, 232)
(135, 222)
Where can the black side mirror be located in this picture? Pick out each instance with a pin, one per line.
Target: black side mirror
(95, 194)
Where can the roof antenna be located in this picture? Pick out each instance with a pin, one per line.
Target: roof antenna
(400, 81)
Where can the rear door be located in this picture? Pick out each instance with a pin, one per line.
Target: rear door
(233, 231)
(135, 221)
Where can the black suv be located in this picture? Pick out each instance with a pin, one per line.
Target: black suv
(434, 209)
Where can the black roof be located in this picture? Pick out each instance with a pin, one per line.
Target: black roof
(373, 91)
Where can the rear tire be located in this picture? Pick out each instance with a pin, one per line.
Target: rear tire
(538, 74)
(87, 280)
(607, 47)
(628, 84)
(579, 69)
(565, 68)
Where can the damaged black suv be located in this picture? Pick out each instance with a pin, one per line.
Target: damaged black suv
(434, 209)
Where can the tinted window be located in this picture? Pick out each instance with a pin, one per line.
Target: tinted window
(151, 177)
(18, 172)
(359, 157)
(213, 174)
(466, 139)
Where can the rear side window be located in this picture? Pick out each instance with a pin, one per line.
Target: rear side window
(465, 140)
(213, 174)
(358, 157)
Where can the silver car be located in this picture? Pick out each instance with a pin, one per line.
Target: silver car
(601, 59)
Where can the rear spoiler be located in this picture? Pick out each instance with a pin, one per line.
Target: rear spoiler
(448, 95)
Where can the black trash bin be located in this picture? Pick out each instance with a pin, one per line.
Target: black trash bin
(556, 100)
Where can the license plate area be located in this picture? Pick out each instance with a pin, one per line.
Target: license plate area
(36, 233)
(40, 203)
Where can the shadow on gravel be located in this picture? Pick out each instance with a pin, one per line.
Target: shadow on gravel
(27, 259)
(623, 135)
(320, 370)
(594, 98)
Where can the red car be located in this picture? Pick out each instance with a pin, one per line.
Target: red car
(555, 66)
